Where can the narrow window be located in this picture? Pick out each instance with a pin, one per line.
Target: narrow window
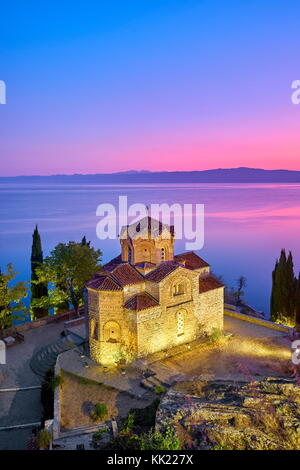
(180, 324)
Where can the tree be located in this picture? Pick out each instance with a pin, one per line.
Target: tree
(84, 242)
(241, 284)
(291, 286)
(68, 268)
(11, 298)
(284, 287)
(38, 290)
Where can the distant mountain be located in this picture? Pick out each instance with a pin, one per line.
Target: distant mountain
(220, 175)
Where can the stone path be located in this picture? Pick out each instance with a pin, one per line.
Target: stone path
(244, 329)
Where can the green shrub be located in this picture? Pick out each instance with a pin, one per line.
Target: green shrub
(99, 412)
(159, 389)
(155, 440)
(215, 336)
(152, 440)
(128, 423)
(44, 438)
(97, 436)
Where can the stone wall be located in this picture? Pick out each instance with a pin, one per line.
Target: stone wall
(117, 333)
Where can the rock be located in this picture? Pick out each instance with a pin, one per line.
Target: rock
(229, 415)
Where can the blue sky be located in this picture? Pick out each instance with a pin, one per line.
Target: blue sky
(161, 85)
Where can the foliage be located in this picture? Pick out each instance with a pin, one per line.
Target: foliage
(215, 336)
(67, 270)
(159, 389)
(99, 412)
(285, 293)
(234, 295)
(152, 440)
(241, 284)
(38, 290)
(128, 423)
(97, 436)
(56, 381)
(11, 298)
(44, 438)
(155, 440)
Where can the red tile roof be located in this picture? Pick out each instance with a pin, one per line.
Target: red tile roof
(208, 283)
(127, 274)
(163, 269)
(141, 302)
(190, 260)
(112, 263)
(103, 283)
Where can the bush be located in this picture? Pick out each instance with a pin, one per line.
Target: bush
(159, 389)
(215, 336)
(99, 412)
(155, 440)
(99, 434)
(152, 440)
(128, 423)
(44, 439)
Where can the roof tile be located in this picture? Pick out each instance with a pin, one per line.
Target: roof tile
(208, 283)
(141, 302)
(191, 260)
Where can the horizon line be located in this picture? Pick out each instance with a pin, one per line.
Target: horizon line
(131, 172)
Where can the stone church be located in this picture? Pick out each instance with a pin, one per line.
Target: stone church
(148, 299)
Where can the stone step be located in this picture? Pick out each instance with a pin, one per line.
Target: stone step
(46, 357)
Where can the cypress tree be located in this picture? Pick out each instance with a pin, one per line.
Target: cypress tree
(291, 286)
(41, 289)
(284, 289)
(274, 294)
(84, 242)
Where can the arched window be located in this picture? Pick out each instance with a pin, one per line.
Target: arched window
(112, 332)
(180, 323)
(179, 288)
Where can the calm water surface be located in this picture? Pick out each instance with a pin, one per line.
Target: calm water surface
(246, 225)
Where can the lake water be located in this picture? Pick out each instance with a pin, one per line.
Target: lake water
(246, 225)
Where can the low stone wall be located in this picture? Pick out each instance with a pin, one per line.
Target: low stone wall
(57, 404)
(258, 321)
(40, 322)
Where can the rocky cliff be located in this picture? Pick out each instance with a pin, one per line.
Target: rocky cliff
(235, 416)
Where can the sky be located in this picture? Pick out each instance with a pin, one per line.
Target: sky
(105, 86)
